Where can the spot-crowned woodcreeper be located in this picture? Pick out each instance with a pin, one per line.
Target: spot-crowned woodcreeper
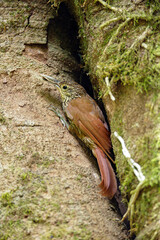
(86, 120)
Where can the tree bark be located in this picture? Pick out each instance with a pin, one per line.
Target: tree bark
(119, 42)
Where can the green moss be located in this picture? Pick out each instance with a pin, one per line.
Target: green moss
(148, 157)
(45, 161)
(2, 119)
(154, 4)
(20, 157)
(32, 206)
(117, 120)
(26, 176)
(79, 177)
(127, 120)
(145, 214)
(130, 67)
(6, 199)
(63, 231)
(117, 58)
(156, 51)
(17, 17)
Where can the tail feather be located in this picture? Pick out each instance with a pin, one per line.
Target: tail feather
(108, 184)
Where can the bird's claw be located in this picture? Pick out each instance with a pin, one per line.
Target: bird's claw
(57, 112)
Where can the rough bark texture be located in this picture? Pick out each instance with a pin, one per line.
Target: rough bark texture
(120, 42)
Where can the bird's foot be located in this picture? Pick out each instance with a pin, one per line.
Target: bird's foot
(62, 119)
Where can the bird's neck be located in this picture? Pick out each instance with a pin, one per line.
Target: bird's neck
(66, 99)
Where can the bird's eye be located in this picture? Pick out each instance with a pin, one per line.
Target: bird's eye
(64, 87)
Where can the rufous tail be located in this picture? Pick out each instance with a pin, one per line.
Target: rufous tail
(108, 183)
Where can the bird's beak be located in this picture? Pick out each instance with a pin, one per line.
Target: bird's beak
(52, 80)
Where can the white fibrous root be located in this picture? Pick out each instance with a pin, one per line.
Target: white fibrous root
(109, 89)
(135, 166)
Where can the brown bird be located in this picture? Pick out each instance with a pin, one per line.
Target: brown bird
(86, 120)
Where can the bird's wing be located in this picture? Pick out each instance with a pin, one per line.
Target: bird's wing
(86, 115)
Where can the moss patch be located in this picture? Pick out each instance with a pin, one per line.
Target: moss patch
(29, 205)
(3, 120)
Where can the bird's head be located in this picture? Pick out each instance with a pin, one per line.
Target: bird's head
(68, 90)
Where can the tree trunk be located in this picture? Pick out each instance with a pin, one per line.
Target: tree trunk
(44, 189)
(121, 52)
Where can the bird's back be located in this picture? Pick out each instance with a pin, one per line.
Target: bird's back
(87, 116)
